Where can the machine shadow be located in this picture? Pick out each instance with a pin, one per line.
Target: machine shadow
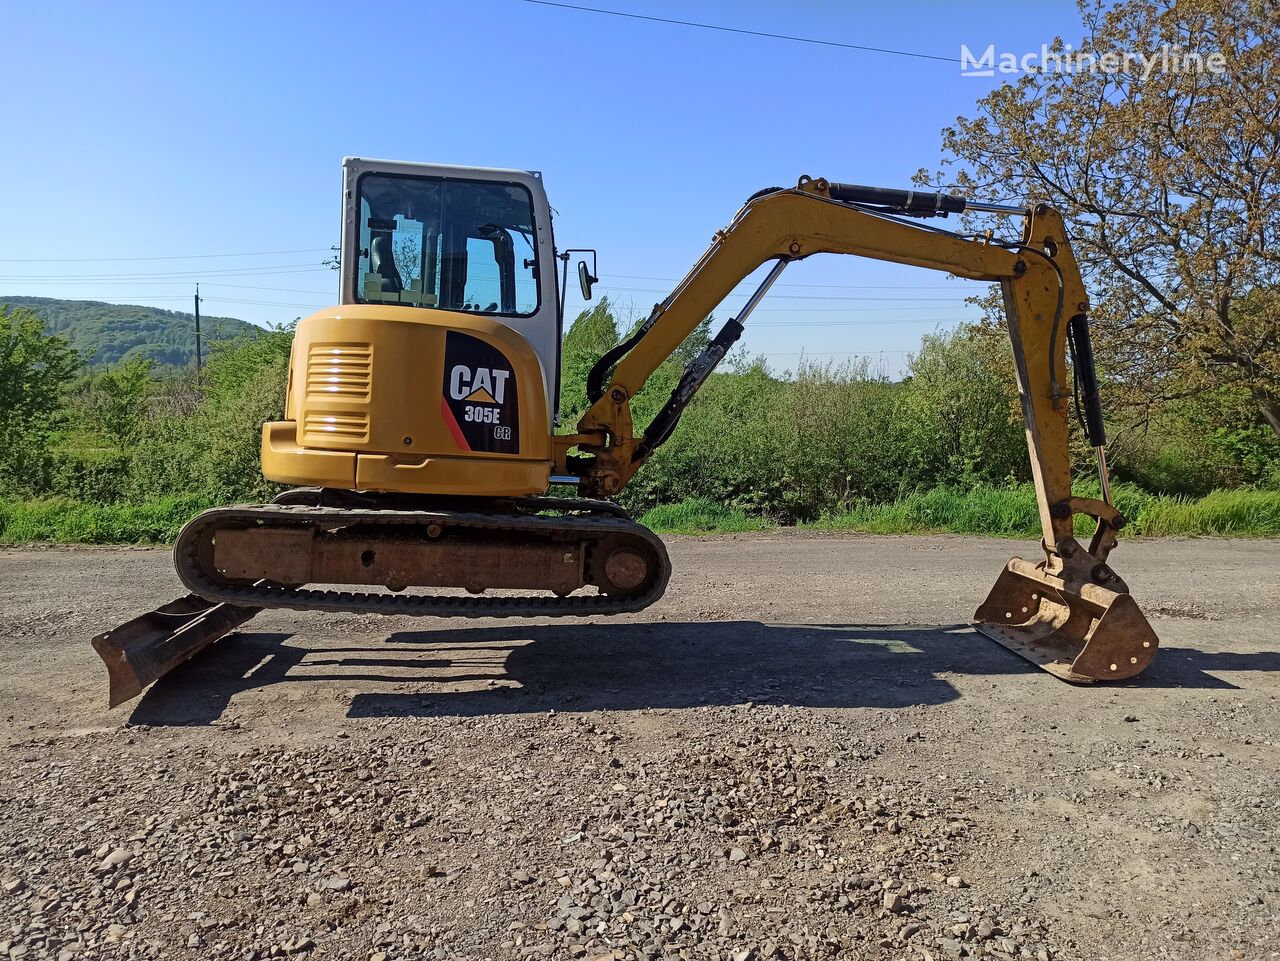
(1189, 668)
(198, 691)
(683, 665)
(632, 666)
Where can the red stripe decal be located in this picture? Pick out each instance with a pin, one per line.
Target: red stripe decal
(452, 423)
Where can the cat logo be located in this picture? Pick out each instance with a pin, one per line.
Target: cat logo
(484, 385)
(480, 399)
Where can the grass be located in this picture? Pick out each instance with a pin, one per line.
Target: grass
(1238, 513)
(699, 515)
(989, 511)
(63, 521)
(1012, 512)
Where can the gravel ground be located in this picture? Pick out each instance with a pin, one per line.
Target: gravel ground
(799, 753)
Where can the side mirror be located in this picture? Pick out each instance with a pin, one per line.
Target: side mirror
(585, 280)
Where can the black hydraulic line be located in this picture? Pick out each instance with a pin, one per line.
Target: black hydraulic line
(1057, 309)
(1089, 400)
(604, 366)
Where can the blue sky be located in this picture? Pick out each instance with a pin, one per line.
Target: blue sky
(156, 130)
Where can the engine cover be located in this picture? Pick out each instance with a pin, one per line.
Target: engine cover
(415, 400)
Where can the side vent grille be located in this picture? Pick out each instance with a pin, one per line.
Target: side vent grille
(327, 426)
(339, 371)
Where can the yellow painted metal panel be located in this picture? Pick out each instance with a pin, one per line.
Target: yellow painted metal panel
(465, 476)
(369, 379)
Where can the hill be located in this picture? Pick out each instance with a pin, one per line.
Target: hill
(107, 333)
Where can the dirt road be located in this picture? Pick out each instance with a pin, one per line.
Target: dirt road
(800, 752)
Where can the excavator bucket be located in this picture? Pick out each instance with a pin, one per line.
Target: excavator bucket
(152, 644)
(1076, 629)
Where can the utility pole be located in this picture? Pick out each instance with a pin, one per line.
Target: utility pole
(198, 363)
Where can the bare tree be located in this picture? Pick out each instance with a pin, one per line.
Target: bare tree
(408, 255)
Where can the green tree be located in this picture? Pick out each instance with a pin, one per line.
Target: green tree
(842, 441)
(1195, 445)
(961, 416)
(1170, 182)
(726, 447)
(695, 343)
(35, 371)
(407, 253)
(119, 400)
(235, 364)
(105, 334)
(214, 451)
(592, 333)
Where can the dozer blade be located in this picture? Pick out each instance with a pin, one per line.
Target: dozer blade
(149, 646)
(1079, 631)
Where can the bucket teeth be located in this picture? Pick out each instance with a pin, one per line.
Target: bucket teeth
(1077, 630)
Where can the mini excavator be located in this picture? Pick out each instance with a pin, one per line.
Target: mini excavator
(418, 427)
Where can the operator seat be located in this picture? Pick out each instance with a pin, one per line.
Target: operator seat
(383, 263)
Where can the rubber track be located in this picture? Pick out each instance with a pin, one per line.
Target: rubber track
(202, 582)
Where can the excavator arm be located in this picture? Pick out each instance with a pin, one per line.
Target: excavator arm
(1069, 613)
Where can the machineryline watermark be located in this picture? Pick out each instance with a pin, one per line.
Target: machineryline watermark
(1168, 59)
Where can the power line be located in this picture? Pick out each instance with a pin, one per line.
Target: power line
(282, 290)
(857, 323)
(797, 323)
(130, 300)
(267, 269)
(651, 290)
(904, 322)
(833, 310)
(150, 275)
(831, 353)
(104, 260)
(187, 283)
(749, 33)
(676, 280)
(264, 303)
(935, 303)
(101, 298)
(789, 311)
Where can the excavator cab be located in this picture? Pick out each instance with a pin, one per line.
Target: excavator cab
(467, 239)
(438, 371)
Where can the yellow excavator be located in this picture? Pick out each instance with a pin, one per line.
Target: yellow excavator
(418, 431)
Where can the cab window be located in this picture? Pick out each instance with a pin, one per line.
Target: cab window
(451, 244)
